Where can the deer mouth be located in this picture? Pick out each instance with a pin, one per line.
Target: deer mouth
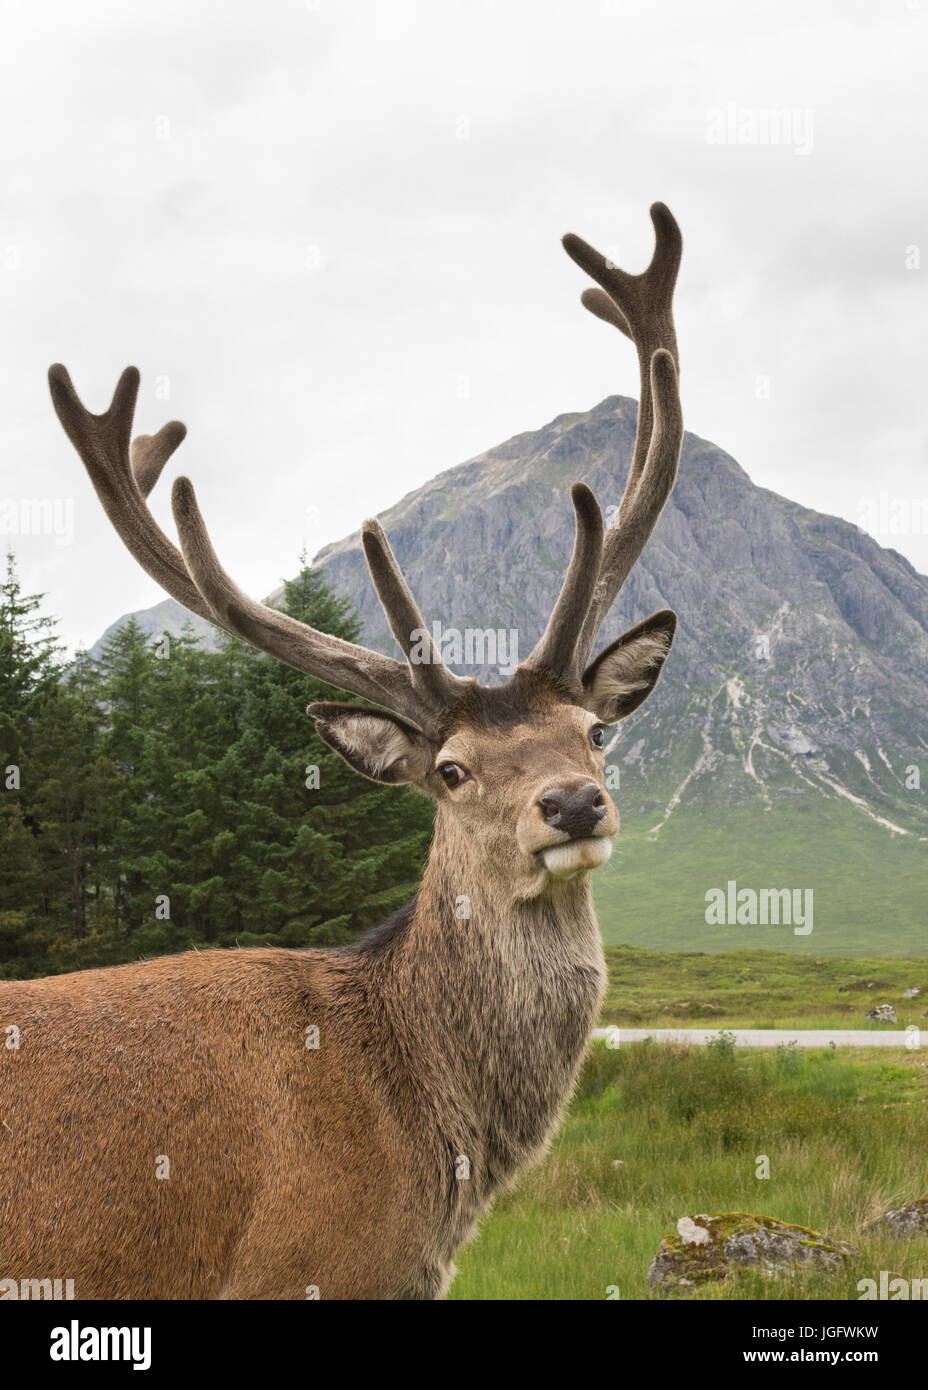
(575, 856)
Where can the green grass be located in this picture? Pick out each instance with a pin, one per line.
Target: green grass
(868, 885)
(658, 1132)
(758, 989)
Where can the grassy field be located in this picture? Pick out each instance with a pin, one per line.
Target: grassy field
(759, 989)
(658, 1132)
(868, 886)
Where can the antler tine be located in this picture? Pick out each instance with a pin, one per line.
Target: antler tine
(103, 444)
(123, 477)
(430, 675)
(555, 650)
(150, 452)
(342, 664)
(641, 307)
(638, 514)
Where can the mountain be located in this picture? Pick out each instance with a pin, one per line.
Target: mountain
(786, 745)
(168, 617)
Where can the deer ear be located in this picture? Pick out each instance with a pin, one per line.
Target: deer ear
(623, 676)
(374, 743)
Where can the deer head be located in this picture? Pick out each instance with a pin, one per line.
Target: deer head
(517, 770)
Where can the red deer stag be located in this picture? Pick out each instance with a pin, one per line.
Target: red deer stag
(449, 1039)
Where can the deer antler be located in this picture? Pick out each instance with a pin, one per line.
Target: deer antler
(123, 476)
(555, 649)
(640, 306)
(123, 473)
(430, 677)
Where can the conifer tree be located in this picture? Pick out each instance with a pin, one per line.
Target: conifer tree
(71, 787)
(310, 854)
(29, 671)
(168, 795)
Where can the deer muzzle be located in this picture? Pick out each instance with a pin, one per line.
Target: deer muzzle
(577, 823)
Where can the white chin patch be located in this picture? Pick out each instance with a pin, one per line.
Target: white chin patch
(576, 856)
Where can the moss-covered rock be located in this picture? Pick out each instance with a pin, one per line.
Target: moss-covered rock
(713, 1247)
(908, 1220)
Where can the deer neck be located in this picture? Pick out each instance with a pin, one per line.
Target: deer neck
(496, 998)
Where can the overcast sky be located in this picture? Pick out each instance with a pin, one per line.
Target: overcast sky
(328, 235)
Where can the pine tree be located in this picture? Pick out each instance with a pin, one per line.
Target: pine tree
(307, 852)
(193, 720)
(126, 675)
(29, 674)
(29, 664)
(166, 795)
(74, 785)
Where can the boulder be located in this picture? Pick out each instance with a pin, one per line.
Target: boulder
(716, 1246)
(908, 1220)
(883, 1013)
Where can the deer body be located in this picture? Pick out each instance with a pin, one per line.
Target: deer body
(447, 1050)
(165, 1131)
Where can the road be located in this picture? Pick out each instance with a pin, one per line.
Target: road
(767, 1037)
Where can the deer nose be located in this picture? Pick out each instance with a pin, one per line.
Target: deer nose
(576, 812)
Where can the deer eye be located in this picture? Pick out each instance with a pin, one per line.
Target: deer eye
(598, 737)
(452, 774)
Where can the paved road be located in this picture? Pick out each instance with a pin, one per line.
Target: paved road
(767, 1037)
